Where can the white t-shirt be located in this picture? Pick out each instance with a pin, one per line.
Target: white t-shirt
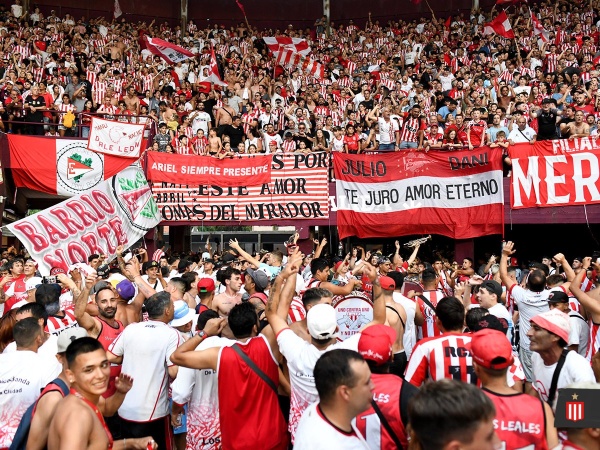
(580, 332)
(201, 121)
(48, 350)
(200, 389)
(23, 374)
(530, 305)
(157, 285)
(521, 136)
(500, 311)
(575, 370)
(410, 337)
(387, 131)
(315, 432)
(301, 358)
(146, 348)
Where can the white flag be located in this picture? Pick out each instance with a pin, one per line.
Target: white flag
(118, 11)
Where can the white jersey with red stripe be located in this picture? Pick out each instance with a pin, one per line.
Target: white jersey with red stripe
(440, 357)
(429, 328)
(444, 285)
(297, 312)
(57, 325)
(594, 342)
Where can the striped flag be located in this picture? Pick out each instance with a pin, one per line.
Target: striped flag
(277, 43)
(292, 60)
(117, 10)
(171, 53)
(500, 25)
(280, 199)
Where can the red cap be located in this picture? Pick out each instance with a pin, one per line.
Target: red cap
(206, 285)
(387, 283)
(491, 349)
(338, 265)
(375, 343)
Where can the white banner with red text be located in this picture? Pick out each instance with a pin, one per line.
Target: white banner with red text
(455, 194)
(563, 172)
(116, 138)
(298, 189)
(118, 211)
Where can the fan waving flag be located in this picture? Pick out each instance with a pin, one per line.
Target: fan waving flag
(292, 60)
(213, 71)
(538, 28)
(59, 166)
(278, 43)
(171, 53)
(241, 7)
(500, 25)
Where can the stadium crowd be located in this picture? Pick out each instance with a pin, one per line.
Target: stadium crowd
(226, 349)
(426, 84)
(235, 350)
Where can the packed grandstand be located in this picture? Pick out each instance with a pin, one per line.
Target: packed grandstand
(349, 349)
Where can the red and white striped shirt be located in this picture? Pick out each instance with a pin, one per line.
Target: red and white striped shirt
(410, 129)
(429, 328)
(57, 325)
(445, 356)
(296, 312)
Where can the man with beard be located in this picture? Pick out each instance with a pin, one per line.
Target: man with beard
(103, 327)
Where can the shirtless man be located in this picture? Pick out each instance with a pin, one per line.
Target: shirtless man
(395, 317)
(577, 129)
(132, 101)
(223, 303)
(214, 142)
(166, 113)
(88, 374)
(50, 397)
(224, 116)
(116, 49)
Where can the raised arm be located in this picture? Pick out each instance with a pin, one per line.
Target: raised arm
(233, 243)
(186, 354)
(507, 250)
(281, 299)
(83, 318)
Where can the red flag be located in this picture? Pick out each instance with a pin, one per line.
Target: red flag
(171, 53)
(241, 7)
(500, 25)
(538, 28)
(448, 22)
(60, 166)
(213, 71)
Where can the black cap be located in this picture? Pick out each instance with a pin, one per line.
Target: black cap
(103, 271)
(558, 297)
(492, 322)
(227, 258)
(149, 264)
(493, 287)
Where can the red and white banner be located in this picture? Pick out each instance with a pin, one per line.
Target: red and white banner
(171, 53)
(292, 60)
(59, 166)
(196, 170)
(561, 172)
(118, 211)
(116, 138)
(298, 189)
(455, 194)
(500, 25)
(278, 43)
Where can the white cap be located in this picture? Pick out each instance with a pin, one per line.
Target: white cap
(322, 321)
(182, 315)
(69, 335)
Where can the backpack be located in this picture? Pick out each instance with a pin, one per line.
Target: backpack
(22, 434)
(69, 119)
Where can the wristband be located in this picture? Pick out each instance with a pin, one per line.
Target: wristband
(202, 335)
